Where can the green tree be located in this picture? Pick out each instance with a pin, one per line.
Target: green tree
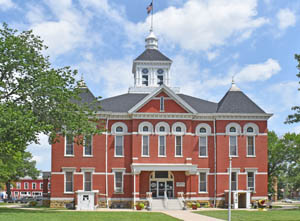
(36, 98)
(294, 118)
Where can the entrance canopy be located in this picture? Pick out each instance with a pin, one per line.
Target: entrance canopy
(136, 168)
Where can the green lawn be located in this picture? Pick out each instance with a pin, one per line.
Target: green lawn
(273, 215)
(8, 214)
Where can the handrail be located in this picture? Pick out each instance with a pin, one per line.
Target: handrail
(166, 199)
(181, 200)
(149, 199)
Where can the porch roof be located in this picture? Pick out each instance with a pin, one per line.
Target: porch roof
(136, 168)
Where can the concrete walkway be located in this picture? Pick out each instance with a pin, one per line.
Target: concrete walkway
(187, 215)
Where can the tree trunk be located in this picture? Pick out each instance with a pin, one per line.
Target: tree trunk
(8, 190)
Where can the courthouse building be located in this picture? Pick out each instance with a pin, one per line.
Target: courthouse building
(166, 143)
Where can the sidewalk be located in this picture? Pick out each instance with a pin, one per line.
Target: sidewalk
(188, 215)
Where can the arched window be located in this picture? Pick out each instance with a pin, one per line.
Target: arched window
(232, 129)
(178, 129)
(250, 130)
(162, 129)
(145, 129)
(119, 129)
(202, 130)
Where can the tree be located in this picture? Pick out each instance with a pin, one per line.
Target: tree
(36, 98)
(295, 118)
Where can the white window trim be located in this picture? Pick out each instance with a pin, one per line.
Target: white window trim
(162, 104)
(164, 145)
(254, 155)
(237, 127)
(87, 171)
(18, 185)
(254, 179)
(206, 126)
(41, 185)
(25, 185)
(178, 124)
(32, 185)
(65, 152)
(164, 124)
(120, 135)
(254, 126)
(206, 172)
(206, 156)
(237, 179)
(65, 170)
(237, 148)
(119, 124)
(149, 125)
(83, 154)
(181, 141)
(142, 148)
(122, 170)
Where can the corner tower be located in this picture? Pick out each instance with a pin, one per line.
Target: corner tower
(151, 69)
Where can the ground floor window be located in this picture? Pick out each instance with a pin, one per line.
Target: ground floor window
(251, 181)
(69, 182)
(234, 181)
(87, 181)
(202, 182)
(118, 182)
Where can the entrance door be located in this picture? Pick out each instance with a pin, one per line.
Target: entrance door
(170, 189)
(161, 188)
(153, 188)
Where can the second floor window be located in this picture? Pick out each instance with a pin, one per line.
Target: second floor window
(178, 145)
(203, 146)
(250, 146)
(88, 145)
(162, 146)
(118, 145)
(41, 186)
(26, 185)
(18, 186)
(145, 145)
(33, 186)
(69, 145)
(233, 146)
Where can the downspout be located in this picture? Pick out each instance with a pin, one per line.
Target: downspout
(106, 180)
(215, 164)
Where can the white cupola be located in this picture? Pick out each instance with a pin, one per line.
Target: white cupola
(151, 41)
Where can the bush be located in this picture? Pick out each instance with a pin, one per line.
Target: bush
(33, 203)
(142, 205)
(198, 205)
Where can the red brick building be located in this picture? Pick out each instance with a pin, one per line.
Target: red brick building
(27, 187)
(166, 143)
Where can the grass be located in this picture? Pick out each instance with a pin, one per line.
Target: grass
(9, 214)
(275, 215)
(5, 204)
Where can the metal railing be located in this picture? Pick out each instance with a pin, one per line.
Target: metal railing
(149, 199)
(166, 199)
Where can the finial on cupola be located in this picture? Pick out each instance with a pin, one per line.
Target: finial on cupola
(233, 85)
(81, 82)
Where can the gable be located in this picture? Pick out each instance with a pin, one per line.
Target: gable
(153, 106)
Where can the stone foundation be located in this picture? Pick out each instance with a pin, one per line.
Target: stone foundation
(60, 203)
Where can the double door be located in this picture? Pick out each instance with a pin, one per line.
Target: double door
(158, 188)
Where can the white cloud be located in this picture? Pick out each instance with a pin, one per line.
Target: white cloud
(202, 25)
(286, 18)
(6, 4)
(258, 72)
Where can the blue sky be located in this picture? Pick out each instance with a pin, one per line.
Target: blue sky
(209, 41)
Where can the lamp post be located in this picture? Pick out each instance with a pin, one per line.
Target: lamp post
(229, 193)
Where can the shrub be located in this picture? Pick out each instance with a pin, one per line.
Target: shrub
(33, 203)
(198, 205)
(142, 205)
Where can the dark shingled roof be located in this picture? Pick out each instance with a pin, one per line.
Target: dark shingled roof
(152, 55)
(232, 102)
(121, 103)
(237, 102)
(201, 106)
(88, 98)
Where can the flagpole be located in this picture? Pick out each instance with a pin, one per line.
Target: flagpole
(152, 17)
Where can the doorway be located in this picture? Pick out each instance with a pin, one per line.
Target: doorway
(161, 182)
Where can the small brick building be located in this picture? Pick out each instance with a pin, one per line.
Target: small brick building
(163, 142)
